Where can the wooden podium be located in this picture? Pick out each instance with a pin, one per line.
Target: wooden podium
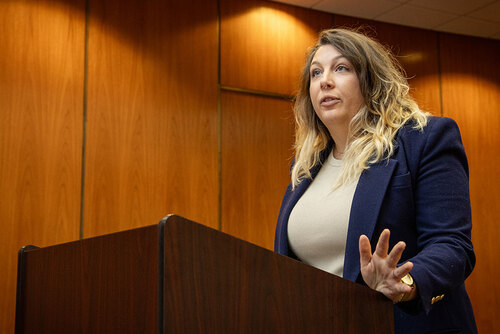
(182, 277)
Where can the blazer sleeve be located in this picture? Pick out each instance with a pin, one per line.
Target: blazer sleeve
(445, 255)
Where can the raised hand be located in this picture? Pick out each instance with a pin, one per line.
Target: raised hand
(380, 271)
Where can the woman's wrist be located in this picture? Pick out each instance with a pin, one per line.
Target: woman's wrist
(408, 280)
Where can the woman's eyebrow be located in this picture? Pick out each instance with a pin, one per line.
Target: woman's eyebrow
(333, 59)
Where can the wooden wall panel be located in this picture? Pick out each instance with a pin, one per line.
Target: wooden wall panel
(415, 49)
(471, 96)
(257, 138)
(41, 121)
(263, 44)
(151, 136)
(152, 113)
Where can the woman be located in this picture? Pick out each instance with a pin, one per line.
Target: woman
(370, 165)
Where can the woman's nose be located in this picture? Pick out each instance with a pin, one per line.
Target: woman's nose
(327, 82)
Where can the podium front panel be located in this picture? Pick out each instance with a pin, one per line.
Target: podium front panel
(105, 284)
(215, 283)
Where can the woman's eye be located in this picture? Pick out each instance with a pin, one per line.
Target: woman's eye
(341, 68)
(315, 73)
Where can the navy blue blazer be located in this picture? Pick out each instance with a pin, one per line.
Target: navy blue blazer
(421, 193)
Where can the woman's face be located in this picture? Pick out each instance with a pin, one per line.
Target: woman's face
(334, 88)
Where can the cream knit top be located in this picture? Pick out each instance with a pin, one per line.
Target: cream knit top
(317, 228)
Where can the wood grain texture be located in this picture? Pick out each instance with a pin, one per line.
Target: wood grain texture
(263, 44)
(41, 121)
(211, 283)
(471, 96)
(257, 138)
(215, 283)
(106, 284)
(152, 113)
(415, 49)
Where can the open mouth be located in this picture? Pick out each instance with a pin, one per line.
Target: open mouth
(327, 99)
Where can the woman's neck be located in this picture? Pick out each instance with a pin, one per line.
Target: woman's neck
(340, 140)
(337, 154)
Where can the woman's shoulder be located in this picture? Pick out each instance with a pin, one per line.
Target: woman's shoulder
(439, 122)
(440, 134)
(436, 126)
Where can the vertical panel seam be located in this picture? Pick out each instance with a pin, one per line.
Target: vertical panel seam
(438, 39)
(219, 120)
(84, 133)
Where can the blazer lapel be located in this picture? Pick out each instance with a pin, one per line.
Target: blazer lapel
(366, 204)
(295, 195)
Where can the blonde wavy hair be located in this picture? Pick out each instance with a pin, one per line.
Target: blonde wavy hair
(387, 107)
